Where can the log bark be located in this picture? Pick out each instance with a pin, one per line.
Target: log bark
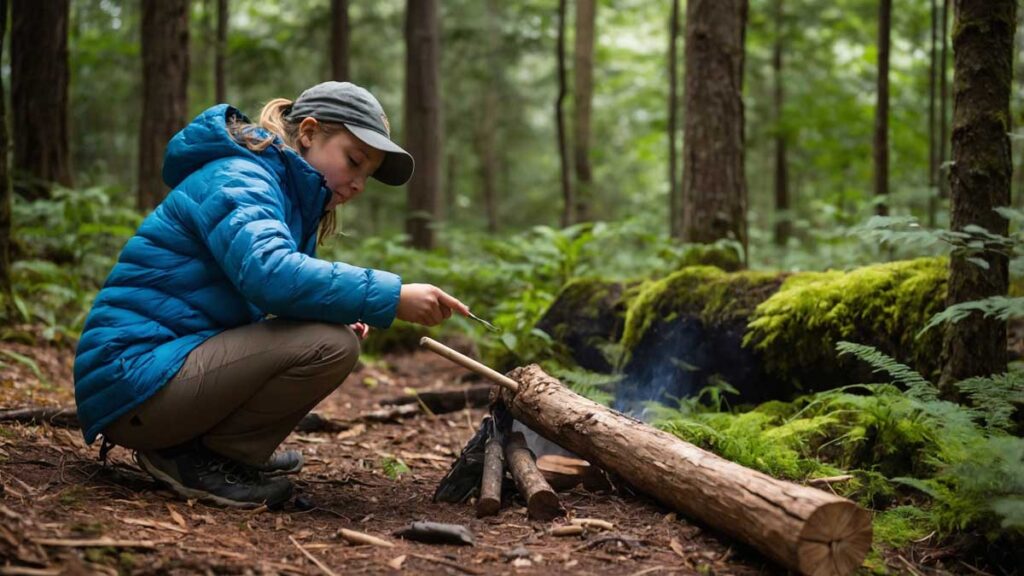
(802, 528)
(489, 502)
(541, 501)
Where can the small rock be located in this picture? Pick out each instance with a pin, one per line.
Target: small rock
(522, 563)
(516, 553)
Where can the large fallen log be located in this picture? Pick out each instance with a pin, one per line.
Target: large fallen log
(802, 528)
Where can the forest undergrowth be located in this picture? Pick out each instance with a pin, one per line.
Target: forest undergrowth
(933, 471)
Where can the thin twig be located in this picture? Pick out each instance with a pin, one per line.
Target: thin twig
(68, 543)
(314, 559)
(448, 563)
(910, 566)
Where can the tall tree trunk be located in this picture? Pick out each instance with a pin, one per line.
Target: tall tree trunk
(882, 109)
(980, 177)
(932, 152)
(489, 119)
(675, 221)
(220, 52)
(782, 217)
(5, 181)
(339, 40)
(714, 185)
(943, 99)
(165, 62)
(423, 118)
(583, 95)
(39, 96)
(568, 205)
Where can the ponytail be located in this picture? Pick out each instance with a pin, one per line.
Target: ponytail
(273, 120)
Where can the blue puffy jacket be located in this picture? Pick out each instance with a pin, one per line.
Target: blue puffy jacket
(234, 240)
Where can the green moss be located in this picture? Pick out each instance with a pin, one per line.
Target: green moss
(884, 305)
(707, 292)
(719, 256)
(902, 525)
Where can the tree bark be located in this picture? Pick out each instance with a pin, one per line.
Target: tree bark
(220, 52)
(802, 528)
(39, 96)
(567, 197)
(943, 99)
(165, 64)
(714, 184)
(882, 110)
(488, 125)
(980, 179)
(541, 501)
(423, 119)
(583, 96)
(5, 181)
(675, 221)
(932, 152)
(339, 40)
(782, 217)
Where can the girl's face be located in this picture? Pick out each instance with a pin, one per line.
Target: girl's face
(344, 160)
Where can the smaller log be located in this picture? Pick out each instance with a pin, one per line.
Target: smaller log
(63, 417)
(541, 501)
(446, 401)
(489, 502)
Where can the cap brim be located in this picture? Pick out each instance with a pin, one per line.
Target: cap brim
(398, 165)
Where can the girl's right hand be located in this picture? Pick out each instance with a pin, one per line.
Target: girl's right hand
(427, 304)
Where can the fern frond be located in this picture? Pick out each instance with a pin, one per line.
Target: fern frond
(917, 386)
(995, 398)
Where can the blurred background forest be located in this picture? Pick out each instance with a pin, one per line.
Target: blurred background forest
(550, 139)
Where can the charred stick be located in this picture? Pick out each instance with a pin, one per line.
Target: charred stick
(489, 502)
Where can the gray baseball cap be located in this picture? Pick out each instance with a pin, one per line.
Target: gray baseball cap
(354, 106)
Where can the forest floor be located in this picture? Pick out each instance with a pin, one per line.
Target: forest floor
(55, 489)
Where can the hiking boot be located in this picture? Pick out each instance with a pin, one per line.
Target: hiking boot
(195, 472)
(284, 462)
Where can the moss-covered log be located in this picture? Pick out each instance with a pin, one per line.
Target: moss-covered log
(769, 335)
(587, 315)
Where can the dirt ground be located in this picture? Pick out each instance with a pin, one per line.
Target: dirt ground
(56, 494)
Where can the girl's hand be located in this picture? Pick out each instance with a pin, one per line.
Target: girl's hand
(427, 304)
(362, 330)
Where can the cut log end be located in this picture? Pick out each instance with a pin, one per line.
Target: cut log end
(835, 539)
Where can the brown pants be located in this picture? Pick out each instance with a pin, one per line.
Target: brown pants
(243, 391)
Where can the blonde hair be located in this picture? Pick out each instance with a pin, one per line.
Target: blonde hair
(273, 120)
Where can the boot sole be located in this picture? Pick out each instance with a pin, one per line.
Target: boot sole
(201, 495)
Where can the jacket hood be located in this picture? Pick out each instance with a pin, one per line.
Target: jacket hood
(207, 139)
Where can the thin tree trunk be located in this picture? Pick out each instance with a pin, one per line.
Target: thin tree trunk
(5, 181)
(39, 96)
(487, 132)
(567, 197)
(943, 100)
(583, 95)
(220, 52)
(165, 62)
(782, 217)
(932, 152)
(339, 40)
(714, 184)
(980, 177)
(423, 119)
(674, 217)
(882, 109)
